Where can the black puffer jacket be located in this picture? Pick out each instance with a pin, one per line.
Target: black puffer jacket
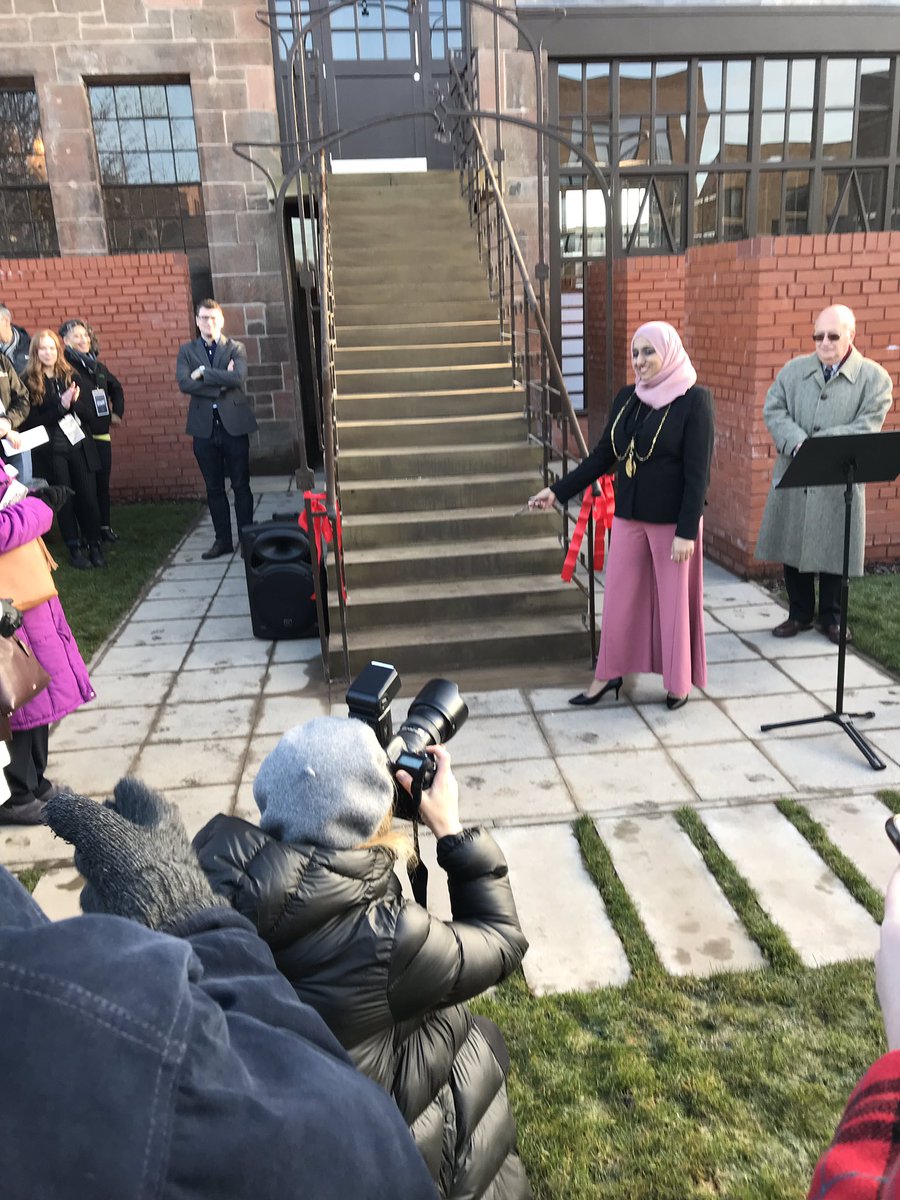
(389, 979)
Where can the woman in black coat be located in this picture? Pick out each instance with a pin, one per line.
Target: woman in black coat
(70, 457)
(317, 879)
(100, 405)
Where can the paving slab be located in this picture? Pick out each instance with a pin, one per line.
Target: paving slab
(698, 722)
(172, 590)
(94, 772)
(820, 918)
(499, 739)
(730, 770)
(225, 629)
(727, 647)
(211, 573)
(731, 594)
(184, 607)
(832, 762)
(28, 846)
(195, 765)
(140, 660)
(693, 927)
(152, 633)
(887, 741)
(556, 699)
(640, 781)
(204, 721)
(750, 713)
(297, 650)
(91, 727)
(257, 749)
(219, 656)
(856, 825)
(58, 893)
(113, 691)
(572, 946)
(744, 618)
(197, 805)
(199, 686)
(284, 678)
(233, 585)
(280, 713)
(810, 644)
(711, 625)
(819, 673)
(230, 604)
(523, 791)
(500, 703)
(611, 727)
(752, 678)
(883, 702)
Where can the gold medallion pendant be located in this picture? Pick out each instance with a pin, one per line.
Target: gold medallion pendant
(630, 464)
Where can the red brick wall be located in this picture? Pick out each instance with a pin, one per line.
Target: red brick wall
(743, 310)
(140, 307)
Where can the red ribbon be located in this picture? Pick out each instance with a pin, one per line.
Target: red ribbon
(602, 508)
(323, 530)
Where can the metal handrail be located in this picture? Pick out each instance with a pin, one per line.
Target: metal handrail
(506, 262)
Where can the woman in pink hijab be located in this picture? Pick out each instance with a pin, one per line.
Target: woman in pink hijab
(659, 441)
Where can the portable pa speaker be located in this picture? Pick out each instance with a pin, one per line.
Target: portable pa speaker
(280, 583)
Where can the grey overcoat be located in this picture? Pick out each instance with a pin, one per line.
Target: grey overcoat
(804, 527)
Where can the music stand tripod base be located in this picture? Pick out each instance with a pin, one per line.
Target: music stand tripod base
(845, 721)
(843, 461)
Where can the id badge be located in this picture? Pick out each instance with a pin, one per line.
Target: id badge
(101, 404)
(70, 427)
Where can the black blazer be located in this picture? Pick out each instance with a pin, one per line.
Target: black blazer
(671, 486)
(88, 379)
(226, 389)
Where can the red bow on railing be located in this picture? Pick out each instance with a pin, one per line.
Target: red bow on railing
(323, 530)
(602, 507)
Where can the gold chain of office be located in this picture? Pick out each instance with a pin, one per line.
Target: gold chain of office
(631, 456)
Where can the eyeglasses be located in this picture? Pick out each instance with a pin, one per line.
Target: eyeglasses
(831, 337)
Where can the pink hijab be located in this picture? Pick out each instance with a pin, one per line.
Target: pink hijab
(677, 373)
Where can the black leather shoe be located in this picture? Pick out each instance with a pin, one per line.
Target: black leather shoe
(77, 559)
(790, 628)
(610, 685)
(95, 554)
(30, 813)
(673, 702)
(833, 633)
(217, 549)
(108, 534)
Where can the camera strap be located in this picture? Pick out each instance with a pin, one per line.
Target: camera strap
(418, 873)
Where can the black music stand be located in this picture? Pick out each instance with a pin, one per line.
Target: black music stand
(829, 462)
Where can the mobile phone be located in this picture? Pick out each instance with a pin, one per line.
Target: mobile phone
(892, 829)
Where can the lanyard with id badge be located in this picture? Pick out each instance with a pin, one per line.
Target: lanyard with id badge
(71, 427)
(101, 403)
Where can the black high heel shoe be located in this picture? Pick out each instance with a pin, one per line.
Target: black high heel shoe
(582, 699)
(673, 702)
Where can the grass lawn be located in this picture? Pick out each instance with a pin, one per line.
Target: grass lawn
(872, 615)
(95, 601)
(671, 1089)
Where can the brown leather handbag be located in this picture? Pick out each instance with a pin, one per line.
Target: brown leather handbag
(25, 577)
(21, 678)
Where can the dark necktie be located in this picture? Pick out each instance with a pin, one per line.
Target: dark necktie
(829, 371)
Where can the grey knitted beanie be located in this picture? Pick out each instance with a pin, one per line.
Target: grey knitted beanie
(326, 782)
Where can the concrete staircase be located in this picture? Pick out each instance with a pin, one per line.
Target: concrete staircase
(433, 456)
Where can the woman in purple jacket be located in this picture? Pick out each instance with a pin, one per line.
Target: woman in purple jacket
(45, 629)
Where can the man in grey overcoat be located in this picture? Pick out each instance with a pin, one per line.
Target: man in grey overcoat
(212, 370)
(833, 391)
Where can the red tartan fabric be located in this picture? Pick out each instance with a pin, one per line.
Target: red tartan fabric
(863, 1160)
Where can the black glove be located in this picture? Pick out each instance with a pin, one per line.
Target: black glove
(10, 618)
(54, 495)
(135, 855)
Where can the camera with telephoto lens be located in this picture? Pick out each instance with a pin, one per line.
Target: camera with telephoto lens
(435, 715)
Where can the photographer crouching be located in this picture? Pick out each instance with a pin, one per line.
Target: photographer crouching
(317, 880)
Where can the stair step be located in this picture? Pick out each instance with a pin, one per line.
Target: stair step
(432, 310)
(411, 405)
(413, 333)
(451, 645)
(366, 180)
(424, 379)
(490, 556)
(352, 245)
(457, 267)
(371, 530)
(458, 599)
(421, 495)
(451, 354)
(416, 462)
(381, 433)
(431, 291)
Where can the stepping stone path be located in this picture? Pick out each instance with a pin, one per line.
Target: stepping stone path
(202, 702)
